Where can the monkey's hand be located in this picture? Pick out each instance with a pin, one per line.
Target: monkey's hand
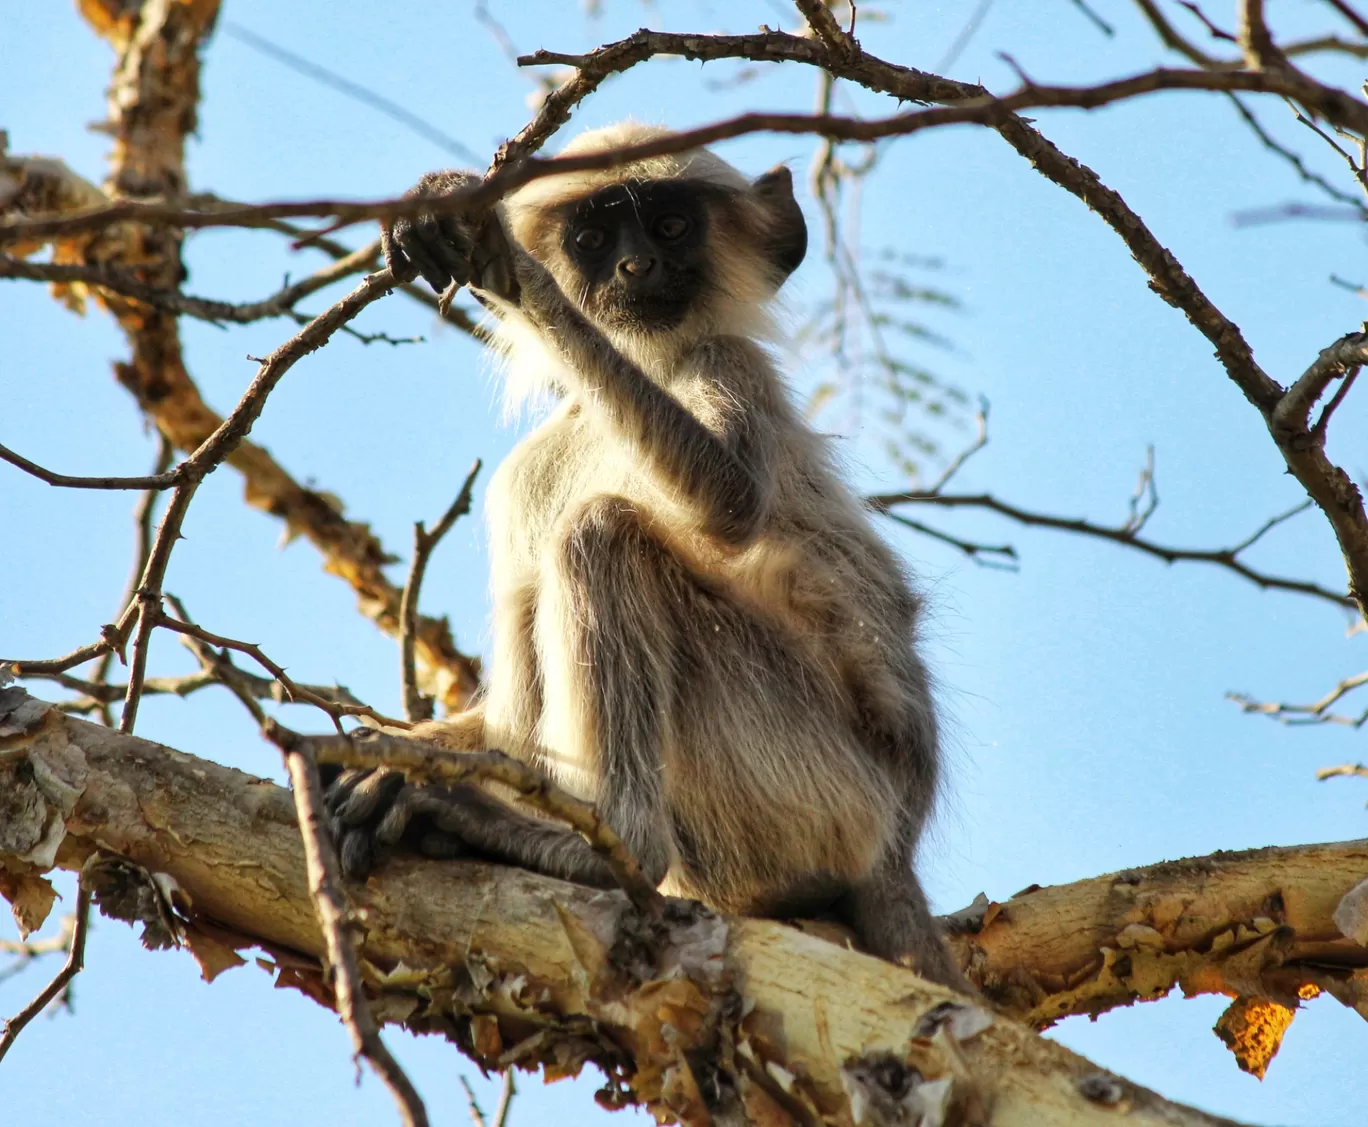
(450, 250)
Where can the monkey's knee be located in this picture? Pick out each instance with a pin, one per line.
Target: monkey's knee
(602, 532)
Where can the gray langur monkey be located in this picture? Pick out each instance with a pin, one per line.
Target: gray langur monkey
(695, 625)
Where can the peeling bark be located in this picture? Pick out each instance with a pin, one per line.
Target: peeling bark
(1254, 924)
(706, 1019)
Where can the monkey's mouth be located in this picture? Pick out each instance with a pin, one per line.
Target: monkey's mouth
(657, 310)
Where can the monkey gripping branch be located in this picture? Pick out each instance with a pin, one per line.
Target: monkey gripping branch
(702, 1018)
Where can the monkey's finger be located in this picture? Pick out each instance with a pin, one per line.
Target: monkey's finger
(356, 851)
(397, 816)
(493, 261)
(337, 792)
(395, 258)
(417, 249)
(453, 247)
(370, 795)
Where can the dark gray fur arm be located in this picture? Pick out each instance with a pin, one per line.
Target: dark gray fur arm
(727, 473)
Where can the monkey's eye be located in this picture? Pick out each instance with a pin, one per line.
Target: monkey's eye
(591, 238)
(671, 226)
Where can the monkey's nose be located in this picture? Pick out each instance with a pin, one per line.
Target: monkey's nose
(637, 265)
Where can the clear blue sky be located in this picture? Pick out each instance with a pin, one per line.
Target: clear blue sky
(1090, 732)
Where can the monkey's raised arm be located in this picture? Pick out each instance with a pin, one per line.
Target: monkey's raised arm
(723, 465)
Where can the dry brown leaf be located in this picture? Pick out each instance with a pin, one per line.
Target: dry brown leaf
(31, 898)
(484, 1032)
(1252, 1029)
(213, 955)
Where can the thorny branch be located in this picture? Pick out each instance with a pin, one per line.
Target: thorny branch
(417, 706)
(294, 692)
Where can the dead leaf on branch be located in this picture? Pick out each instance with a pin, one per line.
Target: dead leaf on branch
(1252, 1029)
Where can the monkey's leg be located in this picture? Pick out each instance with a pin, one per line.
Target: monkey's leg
(892, 919)
(605, 636)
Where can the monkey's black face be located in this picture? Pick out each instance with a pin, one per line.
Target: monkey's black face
(641, 252)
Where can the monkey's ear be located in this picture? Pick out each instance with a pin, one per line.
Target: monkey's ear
(786, 239)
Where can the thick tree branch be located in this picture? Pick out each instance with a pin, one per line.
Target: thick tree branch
(521, 969)
(1252, 923)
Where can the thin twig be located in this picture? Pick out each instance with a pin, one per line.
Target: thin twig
(1298, 165)
(1350, 770)
(476, 1115)
(204, 460)
(144, 516)
(957, 462)
(981, 554)
(1317, 712)
(279, 304)
(295, 693)
(1344, 9)
(1212, 30)
(1224, 557)
(1318, 431)
(95, 694)
(417, 706)
(1097, 21)
(962, 40)
(148, 596)
(156, 481)
(510, 1089)
(75, 961)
